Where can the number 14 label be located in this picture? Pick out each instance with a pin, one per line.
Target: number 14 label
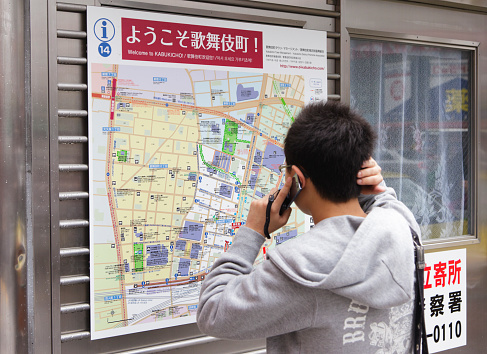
(104, 49)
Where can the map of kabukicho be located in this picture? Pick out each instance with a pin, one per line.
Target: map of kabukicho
(177, 154)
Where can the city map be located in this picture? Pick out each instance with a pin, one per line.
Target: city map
(177, 156)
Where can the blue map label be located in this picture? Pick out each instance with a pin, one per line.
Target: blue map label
(223, 221)
(159, 79)
(112, 297)
(111, 129)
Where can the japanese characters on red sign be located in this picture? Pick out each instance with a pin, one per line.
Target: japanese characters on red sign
(442, 274)
(236, 225)
(190, 44)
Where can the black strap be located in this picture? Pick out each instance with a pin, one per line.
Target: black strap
(420, 340)
(268, 215)
(272, 197)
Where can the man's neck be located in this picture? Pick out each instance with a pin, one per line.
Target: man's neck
(324, 209)
(312, 203)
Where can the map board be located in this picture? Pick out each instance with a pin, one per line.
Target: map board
(187, 119)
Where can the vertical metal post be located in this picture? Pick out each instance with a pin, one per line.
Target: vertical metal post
(13, 279)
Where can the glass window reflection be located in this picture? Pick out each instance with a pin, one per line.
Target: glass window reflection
(418, 98)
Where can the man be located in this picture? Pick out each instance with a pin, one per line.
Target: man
(346, 286)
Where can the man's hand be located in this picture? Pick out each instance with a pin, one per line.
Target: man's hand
(257, 213)
(369, 177)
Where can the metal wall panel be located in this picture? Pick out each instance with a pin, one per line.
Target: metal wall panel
(40, 309)
(13, 186)
(69, 159)
(474, 5)
(410, 20)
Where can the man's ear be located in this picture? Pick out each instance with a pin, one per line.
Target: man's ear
(300, 174)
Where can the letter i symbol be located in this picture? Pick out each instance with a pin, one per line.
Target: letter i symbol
(104, 28)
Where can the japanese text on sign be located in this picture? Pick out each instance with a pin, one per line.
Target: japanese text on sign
(192, 44)
(456, 100)
(187, 103)
(445, 299)
(443, 276)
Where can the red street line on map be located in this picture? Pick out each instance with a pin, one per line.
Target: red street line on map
(114, 89)
(109, 195)
(147, 101)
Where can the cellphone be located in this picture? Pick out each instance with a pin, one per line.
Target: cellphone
(292, 195)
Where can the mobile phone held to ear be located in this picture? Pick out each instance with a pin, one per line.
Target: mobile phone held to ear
(292, 195)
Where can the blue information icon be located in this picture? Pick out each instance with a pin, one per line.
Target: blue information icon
(104, 30)
(104, 49)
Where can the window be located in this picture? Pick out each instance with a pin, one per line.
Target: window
(419, 100)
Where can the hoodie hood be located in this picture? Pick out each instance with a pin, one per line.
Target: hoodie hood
(369, 260)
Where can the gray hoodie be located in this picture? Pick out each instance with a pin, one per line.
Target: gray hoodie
(346, 286)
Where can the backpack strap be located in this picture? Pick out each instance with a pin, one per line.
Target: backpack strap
(420, 340)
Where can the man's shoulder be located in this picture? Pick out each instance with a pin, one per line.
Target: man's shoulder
(326, 240)
(384, 218)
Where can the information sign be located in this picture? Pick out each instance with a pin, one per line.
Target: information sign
(445, 299)
(187, 119)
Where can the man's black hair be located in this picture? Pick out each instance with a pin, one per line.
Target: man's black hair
(330, 142)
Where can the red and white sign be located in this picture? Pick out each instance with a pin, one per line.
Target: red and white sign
(122, 36)
(190, 44)
(445, 299)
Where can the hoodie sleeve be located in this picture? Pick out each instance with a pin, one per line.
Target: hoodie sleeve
(239, 302)
(388, 200)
